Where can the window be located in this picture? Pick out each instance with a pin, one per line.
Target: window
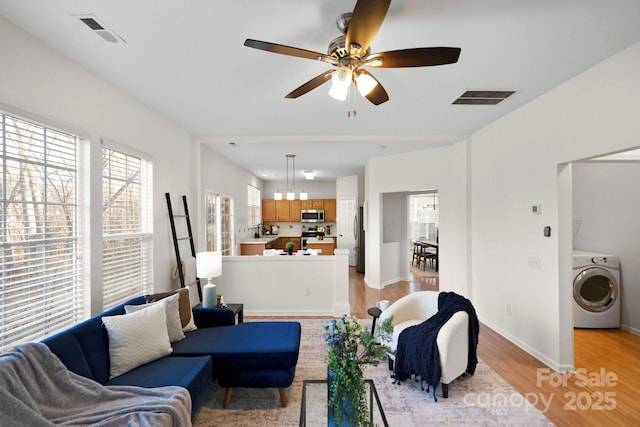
(220, 227)
(127, 227)
(41, 290)
(424, 216)
(254, 214)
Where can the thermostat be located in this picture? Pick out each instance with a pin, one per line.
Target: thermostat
(536, 209)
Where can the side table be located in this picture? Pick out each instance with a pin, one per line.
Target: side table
(238, 310)
(374, 312)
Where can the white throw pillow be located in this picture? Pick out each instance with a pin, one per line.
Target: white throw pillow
(174, 325)
(137, 338)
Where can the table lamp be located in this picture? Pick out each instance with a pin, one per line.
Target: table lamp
(208, 266)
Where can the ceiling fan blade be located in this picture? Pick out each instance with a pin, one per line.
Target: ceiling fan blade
(365, 22)
(310, 85)
(418, 57)
(377, 95)
(288, 50)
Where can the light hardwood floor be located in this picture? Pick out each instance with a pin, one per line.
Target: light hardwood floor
(578, 399)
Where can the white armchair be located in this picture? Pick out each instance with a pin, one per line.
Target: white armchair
(452, 339)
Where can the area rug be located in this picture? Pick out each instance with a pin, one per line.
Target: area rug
(419, 272)
(483, 399)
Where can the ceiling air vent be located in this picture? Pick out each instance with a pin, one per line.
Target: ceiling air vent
(483, 97)
(100, 29)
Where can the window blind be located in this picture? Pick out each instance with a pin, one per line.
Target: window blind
(41, 291)
(127, 227)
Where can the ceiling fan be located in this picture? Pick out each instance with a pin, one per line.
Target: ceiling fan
(350, 53)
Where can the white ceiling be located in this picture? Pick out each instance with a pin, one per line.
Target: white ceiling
(185, 59)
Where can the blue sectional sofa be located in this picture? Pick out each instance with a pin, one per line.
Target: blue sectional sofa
(253, 354)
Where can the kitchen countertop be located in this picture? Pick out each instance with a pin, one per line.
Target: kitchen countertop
(259, 241)
(313, 240)
(289, 234)
(268, 239)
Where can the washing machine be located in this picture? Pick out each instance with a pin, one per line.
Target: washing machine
(596, 290)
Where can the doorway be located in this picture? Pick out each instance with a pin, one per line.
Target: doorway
(424, 223)
(590, 220)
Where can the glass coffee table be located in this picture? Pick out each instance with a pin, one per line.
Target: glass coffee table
(313, 411)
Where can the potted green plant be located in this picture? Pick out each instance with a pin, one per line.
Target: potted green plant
(289, 247)
(351, 347)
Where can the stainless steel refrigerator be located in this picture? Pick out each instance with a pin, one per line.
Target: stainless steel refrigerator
(358, 233)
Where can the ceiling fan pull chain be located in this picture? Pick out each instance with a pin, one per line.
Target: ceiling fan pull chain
(349, 97)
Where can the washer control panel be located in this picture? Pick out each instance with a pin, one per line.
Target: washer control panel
(587, 259)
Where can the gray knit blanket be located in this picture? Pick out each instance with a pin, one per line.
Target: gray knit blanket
(36, 389)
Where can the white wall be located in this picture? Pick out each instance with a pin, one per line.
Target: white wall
(395, 262)
(220, 175)
(315, 189)
(346, 187)
(38, 80)
(518, 161)
(444, 168)
(606, 202)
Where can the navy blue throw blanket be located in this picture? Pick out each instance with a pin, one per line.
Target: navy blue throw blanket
(417, 352)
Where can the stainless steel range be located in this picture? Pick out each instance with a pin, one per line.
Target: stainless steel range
(306, 235)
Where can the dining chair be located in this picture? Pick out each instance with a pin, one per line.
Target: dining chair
(417, 249)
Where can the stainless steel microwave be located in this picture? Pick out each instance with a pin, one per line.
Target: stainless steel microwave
(312, 215)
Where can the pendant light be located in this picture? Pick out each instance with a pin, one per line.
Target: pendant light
(290, 191)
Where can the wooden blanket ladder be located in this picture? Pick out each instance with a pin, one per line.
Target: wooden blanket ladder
(176, 239)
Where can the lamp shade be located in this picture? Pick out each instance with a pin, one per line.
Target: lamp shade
(365, 83)
(208, 264)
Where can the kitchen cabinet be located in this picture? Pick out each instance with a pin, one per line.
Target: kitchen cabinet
(312, 204)
(269, 210)
(252, 249)
(256, 248)
(282, 210)
(329, 210)
(294, 210)
(326, 246)
(289, 210)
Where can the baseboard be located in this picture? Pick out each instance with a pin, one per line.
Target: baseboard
(289, 313)
(627, 328)
(394, 280)
(533, 352)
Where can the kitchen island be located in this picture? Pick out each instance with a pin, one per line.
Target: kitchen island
(257, 246)
(325, 246)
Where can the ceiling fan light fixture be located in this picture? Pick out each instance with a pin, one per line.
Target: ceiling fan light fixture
(365, 83)
(342, 76)
(341, 80)
(339, 91)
